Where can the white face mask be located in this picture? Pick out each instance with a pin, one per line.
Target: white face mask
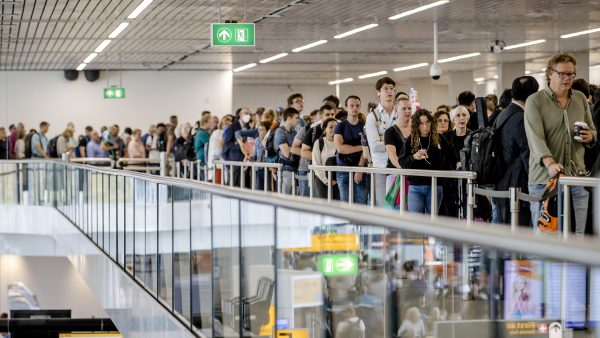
(246, 118)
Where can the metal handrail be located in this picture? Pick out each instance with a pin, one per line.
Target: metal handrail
(582, 250)
(253, 166)
(564, 198)
(433, 174)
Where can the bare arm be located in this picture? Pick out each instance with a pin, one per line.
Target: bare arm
(297, 147)
(391, 152)
(344, 148)
(285, 150)
(307, 152)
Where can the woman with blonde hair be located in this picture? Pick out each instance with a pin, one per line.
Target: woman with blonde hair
(63, 143)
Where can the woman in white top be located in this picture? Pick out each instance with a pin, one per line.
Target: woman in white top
(63, 143)
(322, 152)
(20, 144)
(413, 325)
(136, 148)
(215, 143)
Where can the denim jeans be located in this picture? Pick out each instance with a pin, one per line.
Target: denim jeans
(579, 198)
(286, 182)
(361, 190)
(302, 178)
(419, 198)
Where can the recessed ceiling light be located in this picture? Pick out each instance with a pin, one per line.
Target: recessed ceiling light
(589, 31)
(418, 9)
(118, 30)
(275, 57)
(527, 72)
(349, 79)
(90, 57)
(139, 9)
(356, 30)
(495, 77)
(239, 69)
(310, 45)
(479, 79)
(525, 44)
(101, 46)
(81, 66)
(365, 76)
(418, 65)
(459, 57)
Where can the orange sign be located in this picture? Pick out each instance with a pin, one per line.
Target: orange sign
(331, 242)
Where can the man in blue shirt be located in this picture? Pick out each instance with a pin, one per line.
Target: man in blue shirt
(201, 141)
(39, 142)
(284, 137)
(347, 142)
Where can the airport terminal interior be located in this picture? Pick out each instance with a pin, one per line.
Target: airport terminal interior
(300, 168)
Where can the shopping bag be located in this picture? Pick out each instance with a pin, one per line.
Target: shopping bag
(392, 195)
(548, 215)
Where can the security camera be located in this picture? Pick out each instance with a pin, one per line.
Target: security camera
(435, 71)
(497, 46)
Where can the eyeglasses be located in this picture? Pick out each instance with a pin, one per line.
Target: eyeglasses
(443, 121)
(563, 75)
(426, 123)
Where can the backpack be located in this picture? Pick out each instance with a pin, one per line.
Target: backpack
(270, 147)
(185, 150)
(51, 149)
(331, 160)
(548, 217)
(293, 161)
(28, 152)
(482, 153)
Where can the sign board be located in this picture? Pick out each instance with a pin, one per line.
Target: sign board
(545, 328)
(338, 265)
(331, 242)
(114, 93)
(232, 34)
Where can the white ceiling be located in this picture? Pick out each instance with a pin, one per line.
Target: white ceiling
(175, 35)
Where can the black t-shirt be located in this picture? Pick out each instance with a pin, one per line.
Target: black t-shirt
(351, 135)
(456, 142)
(439, 158)
(309, 140)
(393, 136)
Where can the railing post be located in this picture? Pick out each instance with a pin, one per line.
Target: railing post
(566, 223)
(434, 198)
(329, 186)
(279, 184)
(350, 188)
(265, 178)
(372, 189)
(185, 169)
(163, 163)
(205, 173)
(231, 175)
(177, 168)
(293, 183)
(514, 207)
(470, 201)
(64, 157)
(253, 177)
(242, 176)
(311, 176)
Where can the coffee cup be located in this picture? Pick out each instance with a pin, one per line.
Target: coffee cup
(579, 125)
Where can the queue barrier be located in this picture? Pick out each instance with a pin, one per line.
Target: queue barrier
(253, 167)
(191, 170)
(564, 199)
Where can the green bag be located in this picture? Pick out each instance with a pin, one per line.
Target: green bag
(392, 196)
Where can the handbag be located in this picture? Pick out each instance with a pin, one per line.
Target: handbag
(548, 215)
(392, 196)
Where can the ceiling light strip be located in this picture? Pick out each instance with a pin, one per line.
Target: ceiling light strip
(589, 31)
(90, 57)
(459, 57)
(479, 79)
(118, 30)
(525, 44)
(356, 30)
(139, 9)
(239, 69)
(102, 46)
(349, 79)
(275, 57)
(418, 65)
(366, 76)
(310, 45)
(418, 9)
(81, 66)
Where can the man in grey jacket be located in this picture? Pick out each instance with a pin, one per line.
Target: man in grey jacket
(550, 116)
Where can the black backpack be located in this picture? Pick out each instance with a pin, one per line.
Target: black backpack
(483, 153)
(52, 150)
(185, 150)
(270, 147)
(28, 145)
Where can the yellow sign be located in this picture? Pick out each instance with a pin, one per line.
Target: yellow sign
(300, 333)
(90, 335)
(331, 242)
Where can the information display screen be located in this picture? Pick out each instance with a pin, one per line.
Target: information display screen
(522, 289)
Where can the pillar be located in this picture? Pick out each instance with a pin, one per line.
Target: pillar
(583, 65)
(508, 72)
(432, 93)
(459, 82)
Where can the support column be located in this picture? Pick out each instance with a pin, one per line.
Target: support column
(459, 82)
(583, 65)
(432, 93)
(508, 72)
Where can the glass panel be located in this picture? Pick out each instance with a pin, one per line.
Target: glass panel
(112, 220)
(121, 216)
(106, 212)
(148, 264)
(139, 240)
(132, 203)
(258, 269)
(226, 262)
(96, 198)
(165, 244)
(202, 314)
(181, 260)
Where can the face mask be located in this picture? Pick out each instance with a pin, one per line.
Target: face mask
(246, 118)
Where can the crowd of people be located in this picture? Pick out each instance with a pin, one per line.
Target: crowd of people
(537, 134)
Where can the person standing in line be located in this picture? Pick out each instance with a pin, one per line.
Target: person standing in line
(63, 144)
(136, 148)
(377, 122)
(284, 137)
(396, 136)
(349, 153)
(39, 142)
(20, 144)
(550, 117)
(515, 150)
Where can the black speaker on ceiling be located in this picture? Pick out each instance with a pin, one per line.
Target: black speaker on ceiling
(71, 74)
(92, 74)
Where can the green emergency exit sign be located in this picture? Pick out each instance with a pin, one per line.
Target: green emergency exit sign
(232, 34)
(114, 93)
(338, 265)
